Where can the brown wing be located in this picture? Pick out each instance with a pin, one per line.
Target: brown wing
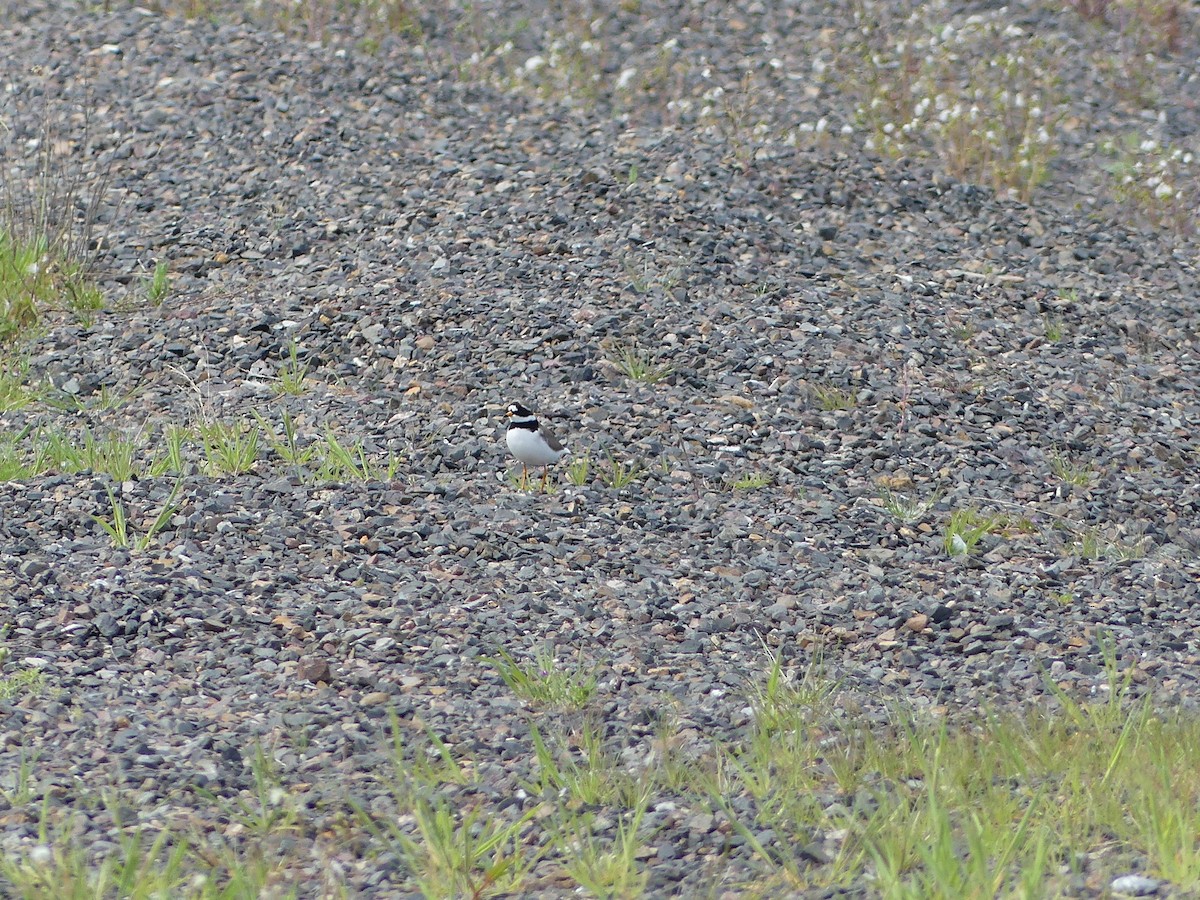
(548, 436)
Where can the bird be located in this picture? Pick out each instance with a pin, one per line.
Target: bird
(532, 443)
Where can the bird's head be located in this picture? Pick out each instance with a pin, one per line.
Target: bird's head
(516, 409)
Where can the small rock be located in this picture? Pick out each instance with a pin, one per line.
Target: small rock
(314, 669)
(1135, 885)
(916, 624)
(941, 613)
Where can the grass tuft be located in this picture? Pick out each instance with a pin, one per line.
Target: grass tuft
(639, 365)
(117, 525)
(620, 475)
(292, 372)
(231, 448)
(830, 398)
(751, 481)
(966, 528)
(579, 470)
(158, 284)
(543, 683)
(1069, 472)
(20, 681)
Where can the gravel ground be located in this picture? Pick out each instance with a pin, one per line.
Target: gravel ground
(438, 244)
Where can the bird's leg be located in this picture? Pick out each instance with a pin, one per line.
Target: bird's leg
(545, 475)
(524, 477)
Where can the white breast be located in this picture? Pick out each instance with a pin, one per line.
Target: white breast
(529, 448)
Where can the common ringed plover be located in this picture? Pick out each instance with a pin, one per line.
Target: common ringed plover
(531, 443)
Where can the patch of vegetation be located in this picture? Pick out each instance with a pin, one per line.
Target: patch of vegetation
(639, 365)
(20, 681)
(158, 284)
(988, 804)
(541, 681)
(977, 92)
(579, 470)
(325, 21)
(117, 524)
(966, 528)
(904, 508)
(830, 397)
(231, 448)
(51, 194)
(326, 459)
(1151, 26)
(1156, 181)
(751, 481)
(109, 453)
(292, 372)
(1094, 543)
(16, 391)
(1070, 472)
(349, 462)
(620, 475)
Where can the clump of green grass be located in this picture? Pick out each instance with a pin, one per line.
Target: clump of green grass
(620, 475)
(1093, 543)
(463, 853)
(639, 365)
(50, 198)
(1070, 472)
(830, 397)
(578, 766)
(24, 679)
(449, 849)
(171, 462)
(267, 808)
(751, 481)
(16, 463)
(964, 330)
(541, 681)
(286, 444)
(103, 400)
(117, 524)
(1052, 328)
(603, 865)
(292, 372)
(579, 470)
(111, 453)
(966, 528)
(32, 279)
(327, 459)
(25, 285)
(16, 390)
(904, 508)
(349, 462)
(231, 448)
(158, 284)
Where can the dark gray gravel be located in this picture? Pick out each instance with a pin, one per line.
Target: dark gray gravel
(436, 246)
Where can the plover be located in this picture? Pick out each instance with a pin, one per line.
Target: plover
(531, 443)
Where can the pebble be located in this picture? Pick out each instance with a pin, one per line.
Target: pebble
(1135, 885)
